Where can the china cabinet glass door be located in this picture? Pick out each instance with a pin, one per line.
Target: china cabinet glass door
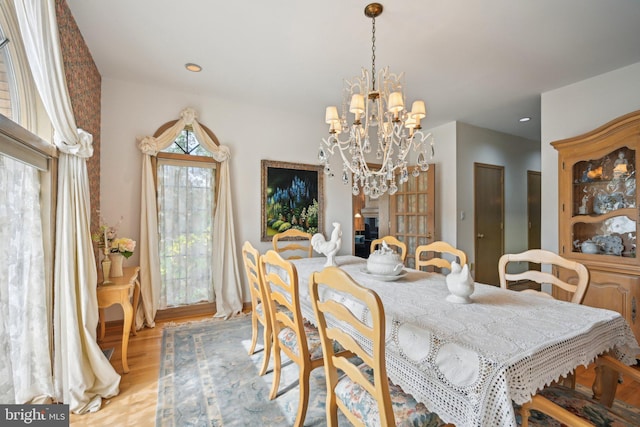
(604, 204)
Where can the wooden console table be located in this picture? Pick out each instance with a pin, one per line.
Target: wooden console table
(119, 291)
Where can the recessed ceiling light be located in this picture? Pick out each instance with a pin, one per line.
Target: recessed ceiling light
(193, 67)
(525, 119)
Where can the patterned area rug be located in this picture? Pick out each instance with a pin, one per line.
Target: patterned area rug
(208, 379)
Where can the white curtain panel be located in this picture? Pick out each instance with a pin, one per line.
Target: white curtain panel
(25, 371)
(82, 374)
(226, 278)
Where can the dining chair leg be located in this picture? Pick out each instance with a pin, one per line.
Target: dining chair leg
(267, 350)
(332, 408)
(303, 403)
(524, 414)
(254, 334)
(276, 370)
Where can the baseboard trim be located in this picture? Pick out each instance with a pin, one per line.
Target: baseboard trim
(179, 312)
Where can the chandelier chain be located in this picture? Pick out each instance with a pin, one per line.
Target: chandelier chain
(373, 53)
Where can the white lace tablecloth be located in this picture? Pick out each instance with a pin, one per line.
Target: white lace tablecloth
(467, 362)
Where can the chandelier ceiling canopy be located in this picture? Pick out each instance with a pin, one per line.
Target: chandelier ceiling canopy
(379, 119)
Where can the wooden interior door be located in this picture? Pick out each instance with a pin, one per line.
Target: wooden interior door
(488, 221)
(412, 213)
(534, 210)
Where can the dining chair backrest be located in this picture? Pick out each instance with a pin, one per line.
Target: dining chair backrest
(259, 303)
(293, 244)
(373, 331)
(250, 258)
(435, 261)
(291, 334)
(401, 247)
(577, 287)
(349, 314)
(280, 279)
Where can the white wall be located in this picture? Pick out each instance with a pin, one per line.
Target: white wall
(130, 110)
(574, 110)
(517, 155)
(445, 161)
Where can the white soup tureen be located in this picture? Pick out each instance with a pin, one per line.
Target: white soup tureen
(384, 261)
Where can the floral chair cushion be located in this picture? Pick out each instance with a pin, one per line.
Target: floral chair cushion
(582, 406)
(407, 411)
(289, 339)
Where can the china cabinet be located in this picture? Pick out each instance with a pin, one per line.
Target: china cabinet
(599, 213)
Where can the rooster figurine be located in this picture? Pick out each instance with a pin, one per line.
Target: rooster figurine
(460, 284)
(328, 248)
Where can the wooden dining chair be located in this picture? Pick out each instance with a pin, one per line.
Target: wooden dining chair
(294, 242)
(363, 393)
(259, 306)
(543, 400)
(295, 336)
(401, 247)
(438, 262)
(543, 257)
(574, 408)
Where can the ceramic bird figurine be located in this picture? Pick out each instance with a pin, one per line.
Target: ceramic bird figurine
(328, 248)
(460, 284)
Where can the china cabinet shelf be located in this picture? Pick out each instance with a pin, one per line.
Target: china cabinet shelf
(591, 218)
(600, 182)
(599, 215)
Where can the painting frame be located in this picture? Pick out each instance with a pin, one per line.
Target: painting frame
(278, 178)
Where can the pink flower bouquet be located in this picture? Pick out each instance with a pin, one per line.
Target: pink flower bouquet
(124, 245)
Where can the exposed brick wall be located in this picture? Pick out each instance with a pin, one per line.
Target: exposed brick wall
(83, 83)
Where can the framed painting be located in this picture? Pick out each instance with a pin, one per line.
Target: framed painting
(292, 197)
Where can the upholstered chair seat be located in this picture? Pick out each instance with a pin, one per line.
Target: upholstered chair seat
(407, 411)
(584, 407)
(575, 408)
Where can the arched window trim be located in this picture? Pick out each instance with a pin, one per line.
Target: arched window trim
(188, 157)
(170, 124)
(29, 105)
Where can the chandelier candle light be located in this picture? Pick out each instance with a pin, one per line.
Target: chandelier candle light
(379, 115)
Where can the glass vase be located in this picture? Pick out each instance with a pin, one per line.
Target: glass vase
(106, 270)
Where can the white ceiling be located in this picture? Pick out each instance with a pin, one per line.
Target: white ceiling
(483, 62)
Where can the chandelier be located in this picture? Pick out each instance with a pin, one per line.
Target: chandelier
(380, 120)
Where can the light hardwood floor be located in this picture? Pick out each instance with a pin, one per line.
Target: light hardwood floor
(136, 403)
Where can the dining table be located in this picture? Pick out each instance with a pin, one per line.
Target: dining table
(470, 362)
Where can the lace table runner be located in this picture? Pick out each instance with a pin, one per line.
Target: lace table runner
(467, 362)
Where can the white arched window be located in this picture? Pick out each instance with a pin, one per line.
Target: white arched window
(186, 187)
